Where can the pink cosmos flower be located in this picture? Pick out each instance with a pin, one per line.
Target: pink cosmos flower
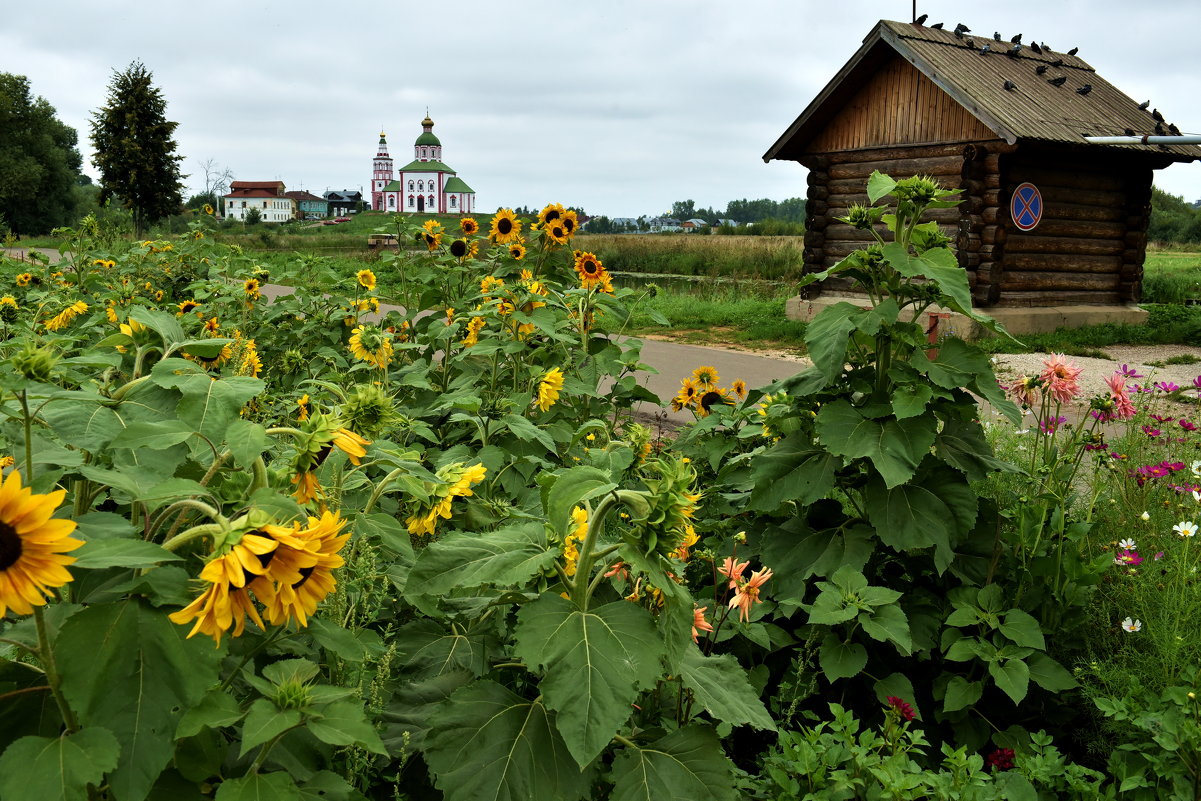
(1123, 407)
(1128, 557)
(748, 593)
(1166, 386)
(1197, 383)
(1061, 377)
(1127, 371)
(1187, 425)
(699, 623)
(1151, 432)
(1050, 425)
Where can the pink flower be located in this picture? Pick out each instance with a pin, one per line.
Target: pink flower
(1187, 426)
(1167, 386)
(748, 593)
(699, 623)
(1123, 408)
(733, 570)
(1127, 371)
(1197, 383)
(901, 707)
(1025, 390)
(1151, 432)
(1050, 425)
(1061, 378)
(1002, 758)
(1128, 557)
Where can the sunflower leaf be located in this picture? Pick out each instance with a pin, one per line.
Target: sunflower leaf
(276, 786)
(688, 763)
(505, 557)
(58, 768)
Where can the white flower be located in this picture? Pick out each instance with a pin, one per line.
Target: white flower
(1145, 516)
(1132, 625)
(1023, 431)
(1196, 468)
(1197, 496)
(1127, 545)
(1185, 528)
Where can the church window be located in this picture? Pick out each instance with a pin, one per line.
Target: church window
(452, 200)
(421, 186)
(431, 200)
(410, 201)
(391, 202)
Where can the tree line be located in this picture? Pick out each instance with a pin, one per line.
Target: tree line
(1173, 221)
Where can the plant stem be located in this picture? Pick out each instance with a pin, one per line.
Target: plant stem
(47, 656)
(195, 533)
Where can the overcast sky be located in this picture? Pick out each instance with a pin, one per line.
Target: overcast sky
(619, 107)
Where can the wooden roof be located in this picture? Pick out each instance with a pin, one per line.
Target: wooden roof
(1034, 110)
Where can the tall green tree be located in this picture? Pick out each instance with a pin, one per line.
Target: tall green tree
(39, 161)
(135, 148)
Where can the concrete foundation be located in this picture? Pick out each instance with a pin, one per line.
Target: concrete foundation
(1017, 321)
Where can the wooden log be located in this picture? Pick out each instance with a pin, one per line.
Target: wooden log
(1084, 229)
(971, 261)
(814, 239)
(993, 235)
(817, 193)
(1068, 246)
(1044, 280)
(899, 168)
(817, 178)
(1015, 299)
(817, 207)
(1083, 197)
(895, 153)
(814, 161)
(989, 215)
(1046, 262)
(1076, 177)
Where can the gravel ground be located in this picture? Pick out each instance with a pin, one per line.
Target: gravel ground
(1092, 380)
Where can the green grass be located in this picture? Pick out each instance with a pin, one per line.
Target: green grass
(747, 314)
(1166, 325)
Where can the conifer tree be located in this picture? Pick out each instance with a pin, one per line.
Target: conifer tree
(135, 151)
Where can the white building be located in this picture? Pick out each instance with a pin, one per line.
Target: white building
(266, 196)
(424, 185)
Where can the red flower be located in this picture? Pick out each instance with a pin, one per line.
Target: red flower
(902, 708)
(1001, 759)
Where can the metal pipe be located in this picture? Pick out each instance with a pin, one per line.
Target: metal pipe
(1185, 139)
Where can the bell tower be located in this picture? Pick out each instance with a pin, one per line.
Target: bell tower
(381, 173)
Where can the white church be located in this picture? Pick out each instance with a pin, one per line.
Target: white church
(424, 185)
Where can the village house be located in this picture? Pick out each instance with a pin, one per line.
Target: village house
(308, 205)
(344, 202)
(266, 196)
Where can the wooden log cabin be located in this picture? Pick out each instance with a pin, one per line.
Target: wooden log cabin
(916, 100)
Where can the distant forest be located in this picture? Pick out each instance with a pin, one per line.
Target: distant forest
(1173, 220)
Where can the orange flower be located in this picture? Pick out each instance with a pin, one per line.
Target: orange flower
(699, 623)
(733, 570)
(748, 593)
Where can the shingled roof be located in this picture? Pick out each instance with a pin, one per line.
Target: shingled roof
(1034, 110)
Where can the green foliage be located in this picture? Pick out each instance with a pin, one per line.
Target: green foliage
(135, 148)
(1172, 219)
(39, 162)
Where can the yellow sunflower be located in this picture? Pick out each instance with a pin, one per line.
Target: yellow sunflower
(24, 278)
(8, 300)
(552, 213)
(474, 326)
(32, 546)
(570, 222)
(251, 287)
(705, 377)
(458, 248)
(186, 306)
(431, 226)
(469, 226)
(738, 387)
(432, 241)
(506, 227)
(366, 279)
(591, 271)
(490, 282)
(64, 318)
(302, 408)
(208, 209)
(297, 599)
(456, 482)
(557, 232)
(369, 344)
(549, 388)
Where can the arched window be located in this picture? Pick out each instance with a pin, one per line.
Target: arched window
(391, 201)
(431, 200)
(410, 186)
(421, 186)
(452, 200)
(410, 201)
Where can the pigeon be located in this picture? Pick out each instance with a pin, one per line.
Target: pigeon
(963, 28)
(1046, 47)
(996, 35)
(1073, 51)
(1159, 131)
(1173, 130)
(984, 50)
(1060, 81)
(958, 34)
(937, 26)
(1128, 132)
(1057, 62)
(971, 43)
(1155, 115)
(1084, 90)
(1143, 106)
(1013, 51)
(1016, 40)
(921, 20)
(1034, 46)
(1040, 69)
(1009, 86)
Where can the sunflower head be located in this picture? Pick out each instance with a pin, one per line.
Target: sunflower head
(35, 363)
(706, 377)
(570, 222)
(506, 227)
(458, 248)
(591, 271)
(469, 226)
(33, 544)
(552, 213)
(369, 410)
(208, 209)
(187, 306)
(517, 251)
(369, 343)
(549, 388)
(431, 226)
(432, 241)
(366, 279)
(251, 287)
(738, 387)
(557, 232)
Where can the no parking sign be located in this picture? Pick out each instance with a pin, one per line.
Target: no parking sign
(1026, 206)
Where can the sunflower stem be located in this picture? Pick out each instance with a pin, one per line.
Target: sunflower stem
(260, 479)
(195, 533)
(52, 678)
(580, 588)
(378, 492)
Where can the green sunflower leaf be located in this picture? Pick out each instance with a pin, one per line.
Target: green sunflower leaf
(895, 447)
(722, 688)
(687, 764)
(58, 769)
(505, 557)
(122, 553)
(792, 469)
(487, 744)
(265, 720)
(592, 664)
(276, 786)
(345, 723)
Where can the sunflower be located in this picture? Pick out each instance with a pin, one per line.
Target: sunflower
(474, 326)
(570, 222)
(490, 282)
(369, 344)
(250, 363)
(208, 209)
(706, 377)
(211, 326)
(232, 575)
(686, 396)
(24, 278)
(320, 434)
(458, 248)
(552, 213)
(366, 279)
(432, 241)
(738, 387)
(64, 318)
(302, 408)
(591, 271)
(557, 232)
(469, 226)
(297, 598)
(251, 287)
(706, 400)
(549, 388)
(186, 306)
(158, 295)
(8, 300)
(32, 546)
(506, 227)
(456, 481)
(431, 226)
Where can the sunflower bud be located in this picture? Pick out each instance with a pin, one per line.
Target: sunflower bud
(369, 411)
(35, 363)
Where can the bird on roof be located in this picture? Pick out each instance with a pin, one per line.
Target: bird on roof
(1060, 81)
(1013, 51)
(984, 50)
(1040, 69)
(1173, 130)
(1034, 46)
(1155, 115)
(1073, 51)
(1016, 40)
(963, 28)
(1128, 132)
(921, 20)
(958, 33)
(937, 26)
(996, 35)
(1084, 90)
(1159, 131)
(1057, 62)
(970, 43)
(1009, 86)
(1143, 105)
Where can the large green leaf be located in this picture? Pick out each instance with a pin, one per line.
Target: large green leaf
(84, 423)
(839, 659)
(593, 664)
(827, 336)
(879, 185)
(155, 435)
(686, 765)
(1049, 674)
(721, 687)
(210, 406)
(506, 557)
(259, 787)
(345, 723)
(265, 720)
(122, 553)
(935, 510)
(961, 693)
(793, 469)
(1012, 676)
(526, 431)
(571, 488)
(961, 444)
(58, 769)
(895, 447)
(429, 649)
(487, 744)
(127, 667)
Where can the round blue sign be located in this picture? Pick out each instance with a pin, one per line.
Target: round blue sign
(1026, 206)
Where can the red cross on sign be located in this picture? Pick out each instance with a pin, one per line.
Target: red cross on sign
(1026, 207)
